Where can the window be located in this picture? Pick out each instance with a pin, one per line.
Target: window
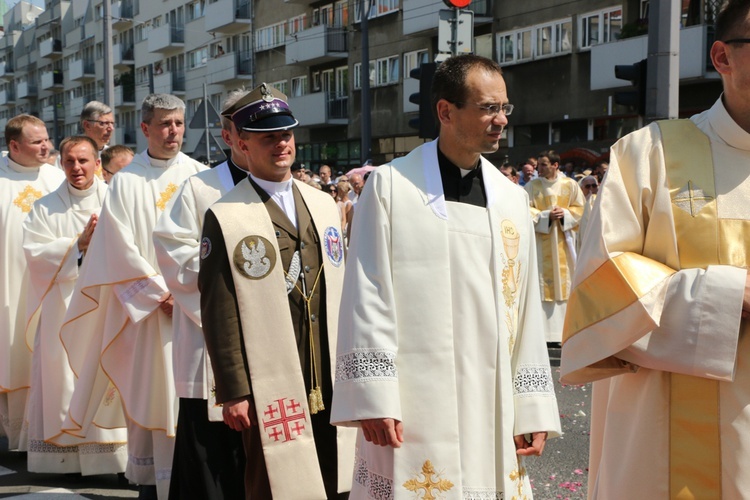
(412, 60)
(600, 27)
(377, 8)
(280, 86)
(296, 24)
(270, 36)
(141, 32)
(543, 40)
(195, 10)
(316, 81)
(299, 86)
(141, 75)
(383, 71)
(197, 58)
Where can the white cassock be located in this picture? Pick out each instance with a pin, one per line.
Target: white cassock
(20, 187)
(642, 322)
(50, 242)
(115, 313)
(441, 328)
(555, 244)
(177, 238)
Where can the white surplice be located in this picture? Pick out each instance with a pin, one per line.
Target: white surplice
(20, 187)
(689, 323)
(177, 238)
(115, 322)
(440, 328)
(555, 244)
(51, 247)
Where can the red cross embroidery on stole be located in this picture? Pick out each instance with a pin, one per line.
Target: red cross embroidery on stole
(281, 428)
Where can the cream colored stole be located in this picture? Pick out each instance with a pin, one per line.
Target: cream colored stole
(702, 239)
(277, 382)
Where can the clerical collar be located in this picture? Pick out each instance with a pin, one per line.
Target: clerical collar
(20, 168)
(726, 128)
(236, 172)
(282, 194)
(155, 162)
(82, 193)
(459, 185)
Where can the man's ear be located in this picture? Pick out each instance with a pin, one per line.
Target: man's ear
(720, 57)
(444, 110)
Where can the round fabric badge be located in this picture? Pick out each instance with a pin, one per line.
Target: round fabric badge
(334, 245)
(205, 247)
(254, 257)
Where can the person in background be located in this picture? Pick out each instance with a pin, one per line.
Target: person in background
(98, 123)
(114, 159)
(25, 176)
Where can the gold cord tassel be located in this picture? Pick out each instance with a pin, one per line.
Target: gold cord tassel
(316, 401)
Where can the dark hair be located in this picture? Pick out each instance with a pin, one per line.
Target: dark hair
(731, 15)
(449, 82)
(112, 151)
(551, 155)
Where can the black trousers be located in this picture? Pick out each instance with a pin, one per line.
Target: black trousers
(209, 459)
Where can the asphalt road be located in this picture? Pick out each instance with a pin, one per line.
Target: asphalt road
(560, 474)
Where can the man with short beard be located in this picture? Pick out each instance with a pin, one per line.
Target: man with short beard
(56, 239)
(24, 178)
(123, 305)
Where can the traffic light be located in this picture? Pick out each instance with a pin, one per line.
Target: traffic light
(635, 74)
(426, 123)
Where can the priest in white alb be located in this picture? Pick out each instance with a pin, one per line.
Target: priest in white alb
(442, 363)
(557, 204)
(24, 178)
(122, 307)
(55, 240)
(658, 313)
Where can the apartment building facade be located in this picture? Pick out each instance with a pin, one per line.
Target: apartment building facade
(558, 59)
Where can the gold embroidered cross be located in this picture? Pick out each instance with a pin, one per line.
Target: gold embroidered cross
(428, 484)
(691, 199)
(26, 198)
(166, 195)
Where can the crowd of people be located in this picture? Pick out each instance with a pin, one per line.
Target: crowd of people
(258, 330)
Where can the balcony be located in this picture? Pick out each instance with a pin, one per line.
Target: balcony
(76, 106)
(74, 37)
(122, 55)
(53, 12)
(228, 16)
(51, 48)
(122, 14)
(424, 16)
(51, 80)
(125, 136)
(6, 70)
(81, 70)
(316, 45)
(170, 82)
(7, 96)
(48, 113)
(320, 109)
(166, 38)
(229, 67)
(26, 90)
(695, 59)
(124, 97)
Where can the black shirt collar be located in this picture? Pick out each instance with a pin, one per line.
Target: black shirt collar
(467, 189)
(237, 173)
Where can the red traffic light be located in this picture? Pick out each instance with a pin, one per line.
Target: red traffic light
(459, 4)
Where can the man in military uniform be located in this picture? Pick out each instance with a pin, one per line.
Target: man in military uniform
(270, 281)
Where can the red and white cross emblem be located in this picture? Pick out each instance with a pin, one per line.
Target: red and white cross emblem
(280, 427)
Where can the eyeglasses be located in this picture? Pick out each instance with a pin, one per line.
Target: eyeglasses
(590, 185)
(492, 109)
(738, 40)
(103, 124)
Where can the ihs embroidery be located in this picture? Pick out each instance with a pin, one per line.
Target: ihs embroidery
(511, 277)
(517, 476)
(26, 198)
(429, 485)
(166, 195)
